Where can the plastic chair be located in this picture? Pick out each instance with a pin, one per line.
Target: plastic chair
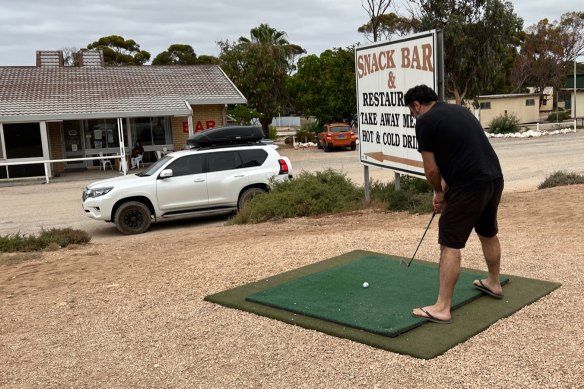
(105, 162)
(137, 160)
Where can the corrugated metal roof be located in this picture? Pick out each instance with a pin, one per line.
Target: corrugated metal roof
(569, 84)
(33, 93)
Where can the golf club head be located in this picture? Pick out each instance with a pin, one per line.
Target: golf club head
(404, 263)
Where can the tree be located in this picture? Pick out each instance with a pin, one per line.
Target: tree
(325, 86)
(119, 51)
(571, 28)
(208, 60)
(480, 40)
(176, 55)
(375, 10)
(243, 114)
(548, 52)
(70, 56)
(259, 66)
(388, 25)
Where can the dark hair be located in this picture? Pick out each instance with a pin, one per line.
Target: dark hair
(421, 93)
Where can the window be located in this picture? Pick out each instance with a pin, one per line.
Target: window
(253, 157)
(224, 160)
(190, 164)
(530, 102)
(341, 129)
(101, 133)
(485, 105)
(23, 140)
(151, 131)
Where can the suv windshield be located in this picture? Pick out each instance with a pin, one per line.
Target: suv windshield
(155, 166)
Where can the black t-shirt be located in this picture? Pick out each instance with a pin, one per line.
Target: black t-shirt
(462, 151)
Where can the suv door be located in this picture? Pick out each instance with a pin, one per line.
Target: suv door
(187, 188)
(226, 177)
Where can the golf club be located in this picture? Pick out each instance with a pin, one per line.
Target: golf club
(407, 264)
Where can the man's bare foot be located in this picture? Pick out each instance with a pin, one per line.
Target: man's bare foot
(435, 317)
(492, 289)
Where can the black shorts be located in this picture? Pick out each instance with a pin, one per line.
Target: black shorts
(469, 208)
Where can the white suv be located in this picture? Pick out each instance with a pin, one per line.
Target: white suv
(186, 183)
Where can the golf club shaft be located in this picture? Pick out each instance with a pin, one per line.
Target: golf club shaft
(421, 240)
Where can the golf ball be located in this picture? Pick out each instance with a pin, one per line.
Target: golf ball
(366, 284)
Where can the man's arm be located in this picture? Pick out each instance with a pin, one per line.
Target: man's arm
(432, 173)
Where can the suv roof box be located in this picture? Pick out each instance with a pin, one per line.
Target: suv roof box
(226, 136)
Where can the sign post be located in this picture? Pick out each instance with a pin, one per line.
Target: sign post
(384, 72)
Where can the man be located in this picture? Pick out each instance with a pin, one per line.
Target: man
(464, 171)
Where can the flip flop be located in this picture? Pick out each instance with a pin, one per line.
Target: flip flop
(431, 317)
(486, 290)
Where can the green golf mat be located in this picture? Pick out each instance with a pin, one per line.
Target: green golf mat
(328, 296)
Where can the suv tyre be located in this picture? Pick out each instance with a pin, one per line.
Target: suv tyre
(132, 217)
(247, 195)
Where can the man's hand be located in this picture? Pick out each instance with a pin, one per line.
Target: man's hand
(438, 201)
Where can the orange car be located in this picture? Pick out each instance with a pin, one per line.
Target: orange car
(337, 135)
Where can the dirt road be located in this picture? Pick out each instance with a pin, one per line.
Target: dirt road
(526, 163)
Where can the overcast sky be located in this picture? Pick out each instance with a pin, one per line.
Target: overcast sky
(30, 25)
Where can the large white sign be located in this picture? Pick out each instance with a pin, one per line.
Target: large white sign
(385, 71)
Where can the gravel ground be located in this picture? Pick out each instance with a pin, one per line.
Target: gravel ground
(127, 312)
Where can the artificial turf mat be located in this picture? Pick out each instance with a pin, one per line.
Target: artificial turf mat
(337, 307)
(384, 307)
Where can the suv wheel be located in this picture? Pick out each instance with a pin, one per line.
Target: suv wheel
(132, 217)
(328, 147)
(247, 195)
(353, 146)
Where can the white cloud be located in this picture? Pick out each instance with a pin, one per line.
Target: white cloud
(316, 25)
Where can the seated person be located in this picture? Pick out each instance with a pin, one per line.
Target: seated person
(137, 153)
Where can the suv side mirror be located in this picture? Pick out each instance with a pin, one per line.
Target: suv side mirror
(166, 173)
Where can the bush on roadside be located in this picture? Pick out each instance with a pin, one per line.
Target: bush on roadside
(558, 116)
(329, 192)
(415, 195)
(272, 133)
(307, 133)
(504, 124)
(308, 194)
(561, 179)
(47, 239)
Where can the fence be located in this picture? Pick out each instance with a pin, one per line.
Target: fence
(47, 162)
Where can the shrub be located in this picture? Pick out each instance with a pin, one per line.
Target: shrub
(47, 239)
(272, 132)
(558, 116)
(504, 124)
(414, 196)
(308, 194)
(307, 133)
(329, 192)
(561, 179)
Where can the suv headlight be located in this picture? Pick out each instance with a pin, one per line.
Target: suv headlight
(87, 193)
